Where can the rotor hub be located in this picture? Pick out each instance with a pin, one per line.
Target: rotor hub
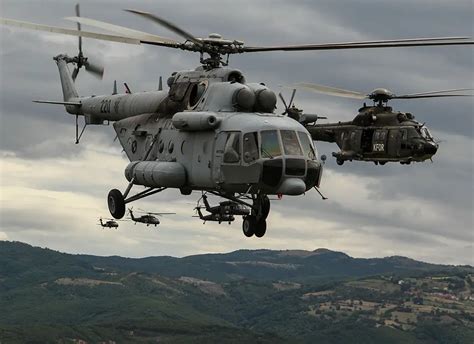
(215, 36)
(381, 95)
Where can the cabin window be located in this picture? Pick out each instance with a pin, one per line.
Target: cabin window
(411, 132)
(250, 147)
(197, 91)
(290, 143)
(270, 146)
(232, 148)
(307, 146)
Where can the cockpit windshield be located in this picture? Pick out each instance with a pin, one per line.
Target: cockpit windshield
(425, 133)
(270, 146)
(307, 146)
(290, 143)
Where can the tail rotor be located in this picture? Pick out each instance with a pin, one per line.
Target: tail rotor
(297, 114)
(81, 61)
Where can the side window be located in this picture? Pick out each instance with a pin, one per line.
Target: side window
(307, 146)
(290, 143)
(404, 134)
(250, 147)
(232, 148)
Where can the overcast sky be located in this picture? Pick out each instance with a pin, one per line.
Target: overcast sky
(53, 191)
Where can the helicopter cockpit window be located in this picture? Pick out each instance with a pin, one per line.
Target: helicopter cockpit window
(307, 146)
(250, 147)
(425, 133)
(232, 148)
(270, 146)
(290, 143)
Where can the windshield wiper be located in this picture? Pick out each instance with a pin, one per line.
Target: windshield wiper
(264, 151)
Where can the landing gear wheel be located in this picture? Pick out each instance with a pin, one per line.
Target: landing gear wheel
(340, 162)
(116, 204)
(260, 228)
(265, 207)
(248, 225)
(382, 163)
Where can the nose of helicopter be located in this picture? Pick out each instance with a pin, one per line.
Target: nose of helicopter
(292, 186)
(430, 148)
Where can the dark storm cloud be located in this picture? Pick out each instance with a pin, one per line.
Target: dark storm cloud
(41, 131)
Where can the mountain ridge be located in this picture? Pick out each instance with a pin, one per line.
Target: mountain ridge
(264, 296)
(287, 252)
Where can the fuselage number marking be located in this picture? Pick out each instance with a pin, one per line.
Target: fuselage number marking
(379, 147)
(105, 105)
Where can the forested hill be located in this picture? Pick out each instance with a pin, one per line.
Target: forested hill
(247, 295)
(297, 265)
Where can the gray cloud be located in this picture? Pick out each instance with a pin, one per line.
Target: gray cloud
(366, 201)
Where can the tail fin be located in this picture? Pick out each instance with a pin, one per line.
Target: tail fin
(69, 90)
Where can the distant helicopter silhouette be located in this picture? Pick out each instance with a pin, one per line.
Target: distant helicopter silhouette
(109, 223)
(148, 218)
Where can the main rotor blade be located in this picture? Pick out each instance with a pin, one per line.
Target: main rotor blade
(438, 92)
(438, 41)
(408, 40)
(432, 96)
(170, 26)
(159, 214)
(54, 29)
(283, 101)
(142, 36)
(292, 97)
(332, 91)
(78, 14)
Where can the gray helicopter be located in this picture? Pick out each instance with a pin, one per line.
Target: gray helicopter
(212, 131)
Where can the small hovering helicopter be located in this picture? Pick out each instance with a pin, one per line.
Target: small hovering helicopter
(224, 212)
(377, 133)
(148, 218)
(212, 131)
(109, 223)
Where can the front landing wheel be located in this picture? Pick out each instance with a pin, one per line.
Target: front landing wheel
(116, 204)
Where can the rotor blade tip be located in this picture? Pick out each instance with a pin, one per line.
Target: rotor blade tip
(134, 11)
